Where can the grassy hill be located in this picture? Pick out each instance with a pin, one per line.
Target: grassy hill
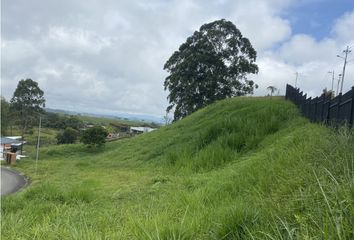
(242, 168)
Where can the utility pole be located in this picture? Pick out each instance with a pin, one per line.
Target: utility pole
(346, 52)
(339, 75)
(332, 80)
(38, 140)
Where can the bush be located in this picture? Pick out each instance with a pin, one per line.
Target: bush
(94, 137)
(68, 136)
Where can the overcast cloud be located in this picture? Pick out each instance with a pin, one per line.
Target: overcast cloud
(108, 56)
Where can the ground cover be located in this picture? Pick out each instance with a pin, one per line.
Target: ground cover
(242, 168)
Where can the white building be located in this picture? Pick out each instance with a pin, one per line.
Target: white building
(141, 129)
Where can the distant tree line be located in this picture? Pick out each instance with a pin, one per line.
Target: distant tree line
(91, 137)
(27, 106)
(59, 121)
(10, 118)
(5, 115)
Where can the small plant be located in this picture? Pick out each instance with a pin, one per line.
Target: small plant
(272, 90)
(94, 137)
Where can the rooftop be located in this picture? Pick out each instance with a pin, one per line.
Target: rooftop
(6, 140)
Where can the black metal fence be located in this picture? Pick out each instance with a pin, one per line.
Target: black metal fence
(324, 109)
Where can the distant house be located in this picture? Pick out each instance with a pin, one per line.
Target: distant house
(120, 127)
(138, 130)
(87, 126)
(15, 137)
(10, 144)
(112, 135)
(7, 142)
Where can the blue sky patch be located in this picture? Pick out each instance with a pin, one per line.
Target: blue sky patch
(316, 18)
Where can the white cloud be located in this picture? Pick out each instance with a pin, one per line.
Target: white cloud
(18, 51)
(109, 57)
(273, 73)
(258, 21)
(343, 29)
(311, 58)
(304, 48)
(78, 40)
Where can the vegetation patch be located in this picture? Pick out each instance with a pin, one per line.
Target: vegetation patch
(242, 168)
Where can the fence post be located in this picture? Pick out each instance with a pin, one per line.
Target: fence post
(296, 95)
(315, 112)
(287, 92)
(338, 107)
(299, 98)
(328, 111)
(303, 104)
(352, 109)
(308, 107)
(323, 97)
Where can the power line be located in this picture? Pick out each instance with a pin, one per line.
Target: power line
(332, 72)
(339, 78)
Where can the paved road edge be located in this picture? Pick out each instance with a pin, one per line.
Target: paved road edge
(26, 179)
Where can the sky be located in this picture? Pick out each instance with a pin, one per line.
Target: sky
(107, 56)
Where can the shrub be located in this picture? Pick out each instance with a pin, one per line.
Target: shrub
(68, 136)
(94, 137)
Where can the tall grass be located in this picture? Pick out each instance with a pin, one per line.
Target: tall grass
(245, 168)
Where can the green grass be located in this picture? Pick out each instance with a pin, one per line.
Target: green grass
(243, 168)
(107, 121)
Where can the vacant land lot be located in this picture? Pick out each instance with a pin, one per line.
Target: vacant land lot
(243, 168)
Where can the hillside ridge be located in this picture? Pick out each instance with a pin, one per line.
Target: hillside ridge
(241, 168)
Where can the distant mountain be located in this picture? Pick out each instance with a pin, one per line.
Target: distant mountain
(128, 116)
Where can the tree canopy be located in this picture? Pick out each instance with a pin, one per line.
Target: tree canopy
(5, 115)
(211, 65)
(59, 121)
(27, 103)
(67, 136)
(272, 90)
(94, 137)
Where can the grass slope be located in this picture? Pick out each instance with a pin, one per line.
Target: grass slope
(243, 168)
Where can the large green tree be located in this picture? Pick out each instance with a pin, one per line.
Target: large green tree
(27, 103)
(211, 65)
(5, 115)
